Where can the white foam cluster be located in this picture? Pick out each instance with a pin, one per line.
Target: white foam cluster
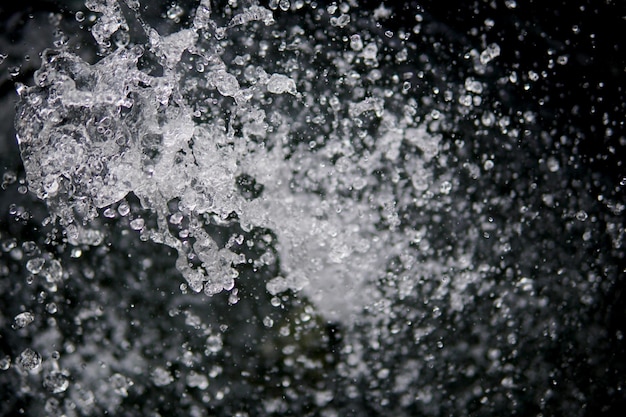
(90, 134)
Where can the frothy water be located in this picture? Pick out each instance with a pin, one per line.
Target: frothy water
(305, 208)
(205, 136)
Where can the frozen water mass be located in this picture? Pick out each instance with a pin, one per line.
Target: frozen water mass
(301, 208)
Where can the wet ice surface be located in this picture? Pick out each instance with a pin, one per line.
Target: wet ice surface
(299, 209)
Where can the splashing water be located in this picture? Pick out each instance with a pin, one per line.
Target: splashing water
(182, 131)
(385, 214)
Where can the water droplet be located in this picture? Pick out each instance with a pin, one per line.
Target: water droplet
(213, 344)
(23, 319)
(279, 84)
(137, 224)
(176, 218)
(197, 380)
(14, 71)
(35, 265)
(56, 381)
(120, 384)
(553, 164)
(53, 272)
(161, 377)
(490, 53)
(356, 43)
(284, 5)
(123, 209)
(5, 363)
(51, 308)
(175, 12)
(29, 359)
